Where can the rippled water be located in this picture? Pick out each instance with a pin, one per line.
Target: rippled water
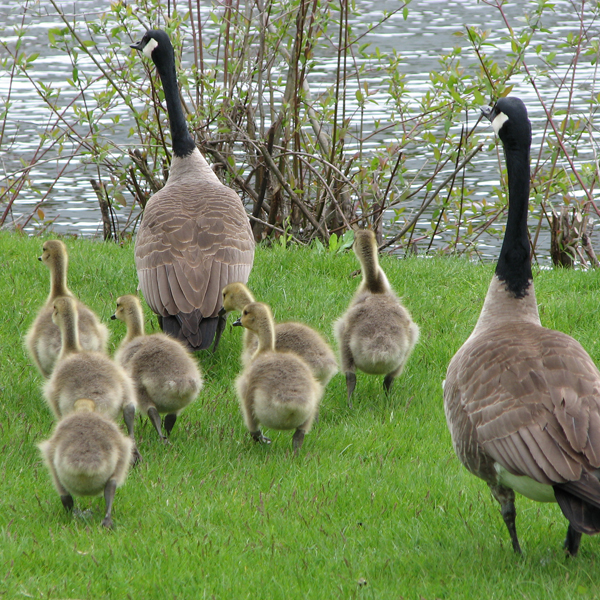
(429, 31)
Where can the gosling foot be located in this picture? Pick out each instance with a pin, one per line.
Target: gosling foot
(258, 436)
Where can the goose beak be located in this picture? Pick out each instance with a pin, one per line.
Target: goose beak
(238, 323)
(137, 46)
(488, 112)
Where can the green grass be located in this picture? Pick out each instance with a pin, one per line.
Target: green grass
(375, 495)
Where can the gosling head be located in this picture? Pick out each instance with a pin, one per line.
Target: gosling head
(127, 306)
(236, 296)
(254, 316)
(64, 308)
(53, 251)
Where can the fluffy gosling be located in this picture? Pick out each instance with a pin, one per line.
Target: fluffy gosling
(87, 455)
(43, 338)
(166, 377)
(376, 334)
(277, 389)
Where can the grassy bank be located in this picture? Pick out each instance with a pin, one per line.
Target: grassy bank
(375, 506)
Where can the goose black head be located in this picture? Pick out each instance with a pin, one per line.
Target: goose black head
(510, 122)
(155, 39)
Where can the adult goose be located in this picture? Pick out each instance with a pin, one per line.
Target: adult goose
(523, 402)
(195, 235)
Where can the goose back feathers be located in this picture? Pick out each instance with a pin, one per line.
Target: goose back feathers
(195, 236)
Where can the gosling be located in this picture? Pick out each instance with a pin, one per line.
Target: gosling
(277, 389)
(43, 340)
(376, 334)
(87, 455)
(290, 336)
(84, 374)
(166, 377)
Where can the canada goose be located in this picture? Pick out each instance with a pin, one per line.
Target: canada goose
(522, 402)
(84, 374)
(166, 377)
(277, 389)
(195, 235)
(295, 337)
(87, 455)
(43, 338)
(376, 334)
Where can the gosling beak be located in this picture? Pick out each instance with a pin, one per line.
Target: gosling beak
(113, 317)
(222, 312)
(40, 258)
(238, 323)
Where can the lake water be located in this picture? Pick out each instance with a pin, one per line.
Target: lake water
(429, 31)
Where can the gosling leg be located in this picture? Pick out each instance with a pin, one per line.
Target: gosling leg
(155, 418)
(572, 541)
(170, 422)
(109, 496)
(350, 385)
(297, 440)
(388, 381)
(67, 501)
(129, 418)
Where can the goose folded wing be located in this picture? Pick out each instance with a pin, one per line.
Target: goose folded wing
(536, 406)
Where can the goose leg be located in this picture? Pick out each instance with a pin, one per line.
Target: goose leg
(155, 418)
(109, 495)
(129, 418)
(170, 422)
(506, 497)
(297, 440)
(220, 328)
(350, 385)
(572, 541)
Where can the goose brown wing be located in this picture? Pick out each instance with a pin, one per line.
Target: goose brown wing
(193, 240)
(532, 398)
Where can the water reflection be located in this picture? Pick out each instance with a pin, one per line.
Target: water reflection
(429, 31)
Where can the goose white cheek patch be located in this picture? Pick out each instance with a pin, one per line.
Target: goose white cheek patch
(496, 123)
(149, 47)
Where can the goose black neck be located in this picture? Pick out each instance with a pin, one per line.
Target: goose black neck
(514, 263)
(183, 142)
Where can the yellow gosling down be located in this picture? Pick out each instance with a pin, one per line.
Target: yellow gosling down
(87, 455)
(291, 336)
(165, 375)
(276, 389)
(43, 338)
(376, 334)
(85, 374)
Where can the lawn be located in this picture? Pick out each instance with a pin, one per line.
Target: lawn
(376, 505)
